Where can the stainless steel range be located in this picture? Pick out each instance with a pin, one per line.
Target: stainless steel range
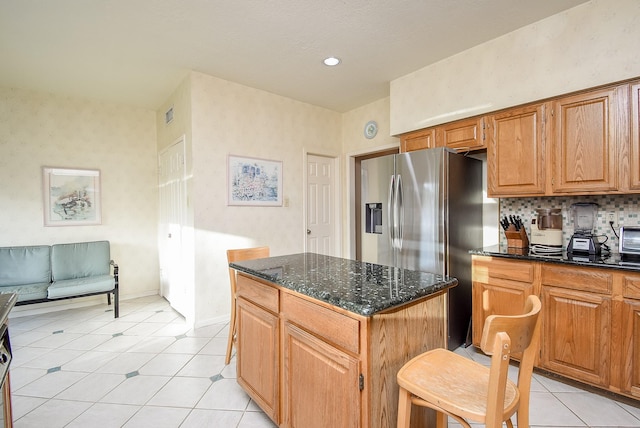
(7, 302)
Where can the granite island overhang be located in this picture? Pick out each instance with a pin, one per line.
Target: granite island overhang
(321, 332)
(360, 287)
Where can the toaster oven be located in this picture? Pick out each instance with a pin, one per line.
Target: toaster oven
(629, 240)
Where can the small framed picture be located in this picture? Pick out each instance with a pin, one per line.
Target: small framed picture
(71, 197)
(254, 181)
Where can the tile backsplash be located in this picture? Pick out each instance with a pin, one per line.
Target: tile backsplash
(626, 207)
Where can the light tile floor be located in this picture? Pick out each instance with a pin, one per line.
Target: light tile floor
(82, 368)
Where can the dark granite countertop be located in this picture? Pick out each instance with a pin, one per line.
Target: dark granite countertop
(359, 287)
(611, 260)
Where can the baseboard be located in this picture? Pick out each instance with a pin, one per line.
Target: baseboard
(77, 302)
(223, 319)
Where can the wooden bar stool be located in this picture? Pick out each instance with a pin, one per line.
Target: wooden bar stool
(465, 390)
(236, 256)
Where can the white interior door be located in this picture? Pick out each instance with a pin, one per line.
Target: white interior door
(321, 216)
(173, 209)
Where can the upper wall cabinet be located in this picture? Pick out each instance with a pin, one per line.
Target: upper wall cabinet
(417, 140)
(579, 144)
(586, 145)
(462, 135)
(634, 150)
(516, 152)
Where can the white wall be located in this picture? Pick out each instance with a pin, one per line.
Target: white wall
(355, 144)
(229, 118)
(589, 45)
(39, 129)
(168, 134)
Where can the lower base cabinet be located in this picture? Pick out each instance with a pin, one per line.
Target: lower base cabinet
(257, 366)
(308, 364)
(590, 316)
(335, 375)
(576, 334)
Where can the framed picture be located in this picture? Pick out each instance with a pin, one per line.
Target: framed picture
(71, 197)
(254, 181)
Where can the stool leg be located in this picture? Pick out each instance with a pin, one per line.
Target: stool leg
(404, 408)
(232, 333)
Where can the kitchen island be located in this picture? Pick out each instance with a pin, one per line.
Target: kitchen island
(320, 339)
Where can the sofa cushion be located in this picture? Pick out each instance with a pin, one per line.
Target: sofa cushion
(80, 286)
(27, 292)
(79, 260)
(25, 265)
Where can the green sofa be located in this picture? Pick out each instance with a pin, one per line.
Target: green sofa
(45, 273)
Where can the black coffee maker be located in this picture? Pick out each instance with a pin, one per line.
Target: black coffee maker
(583, 240)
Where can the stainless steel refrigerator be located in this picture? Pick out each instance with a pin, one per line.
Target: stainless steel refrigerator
(422, 210)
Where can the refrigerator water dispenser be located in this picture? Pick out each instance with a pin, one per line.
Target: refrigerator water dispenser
(374, 217)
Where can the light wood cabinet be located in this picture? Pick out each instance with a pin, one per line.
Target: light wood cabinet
(634, 149)
(631, 348)
(318, 375)
(590, 316)
(418, 140)
(297, 355)
(462, 135)
(577, 329)
(585, 149)
(258, 345)
(499, 287)
(321, 347)
(630, 336)
(516, 152)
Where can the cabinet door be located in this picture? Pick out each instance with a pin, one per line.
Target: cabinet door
(515, 153)
(258, 355)
(585, 150)
(417, 140)
(631, 347)
(462, 135)
(499, 287)
(334, 400)
(576, 334)
(634, 151)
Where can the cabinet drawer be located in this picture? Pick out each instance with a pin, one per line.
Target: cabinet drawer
(631, 286)
(332, 326)
(258, 293)
(485, 269)
(597, 280)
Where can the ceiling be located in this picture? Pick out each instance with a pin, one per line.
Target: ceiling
(137, 51)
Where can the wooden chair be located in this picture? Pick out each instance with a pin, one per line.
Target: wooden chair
(235, 256)
(463, 389)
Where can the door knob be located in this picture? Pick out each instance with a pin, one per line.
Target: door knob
(308, 232)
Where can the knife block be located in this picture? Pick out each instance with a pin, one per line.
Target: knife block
(516, 238)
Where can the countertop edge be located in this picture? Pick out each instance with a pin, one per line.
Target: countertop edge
(438, 284)
(613, 261)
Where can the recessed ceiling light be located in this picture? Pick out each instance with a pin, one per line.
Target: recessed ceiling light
(331, 61)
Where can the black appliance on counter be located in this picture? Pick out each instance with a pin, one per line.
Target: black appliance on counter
(583, 240)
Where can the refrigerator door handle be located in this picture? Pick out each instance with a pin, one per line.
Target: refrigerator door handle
(390, 213)
(399, 203)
